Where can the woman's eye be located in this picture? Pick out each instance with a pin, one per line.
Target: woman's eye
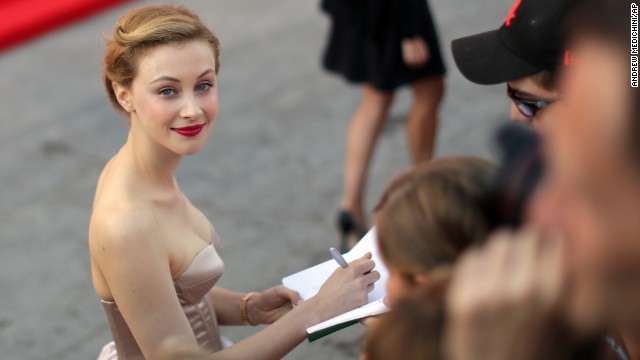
(167, 92)
(204, 86)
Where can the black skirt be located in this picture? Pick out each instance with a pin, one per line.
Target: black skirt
(365, 41)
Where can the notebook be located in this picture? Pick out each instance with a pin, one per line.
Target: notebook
(308, 282)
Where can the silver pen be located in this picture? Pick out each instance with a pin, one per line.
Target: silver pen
(335, 254)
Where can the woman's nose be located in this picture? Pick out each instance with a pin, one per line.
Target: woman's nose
(190, 107)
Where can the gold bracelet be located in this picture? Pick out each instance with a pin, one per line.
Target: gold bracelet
(244, 309)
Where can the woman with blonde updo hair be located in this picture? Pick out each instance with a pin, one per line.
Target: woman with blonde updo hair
(154, 256)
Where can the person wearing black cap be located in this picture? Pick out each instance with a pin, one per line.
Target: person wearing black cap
(525, 52)
(591, 200)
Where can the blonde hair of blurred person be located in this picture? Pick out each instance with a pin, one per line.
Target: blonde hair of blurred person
(154, 256)
(428, 216)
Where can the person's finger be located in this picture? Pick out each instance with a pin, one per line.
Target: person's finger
(421, 52)
(412, 50)
(427, 52)
(424, 49)
(371, 277)
(418, 53)
(462, 290)
(366, 257)
(292, 295)
(494, 261)
(408, 52)
(415, 55)
(465, 266)
(552, 269)
(522, 262)
(370, 321)
(362, 266)
(370, 287)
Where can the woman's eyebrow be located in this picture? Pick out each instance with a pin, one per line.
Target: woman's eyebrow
(164, 78)
(172, 79)
(208, 71)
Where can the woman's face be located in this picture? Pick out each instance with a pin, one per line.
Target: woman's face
(174, 97)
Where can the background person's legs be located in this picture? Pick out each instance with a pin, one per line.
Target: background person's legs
(366, 124)
(423, 118)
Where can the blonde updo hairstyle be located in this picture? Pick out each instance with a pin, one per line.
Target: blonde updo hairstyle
(145, 28)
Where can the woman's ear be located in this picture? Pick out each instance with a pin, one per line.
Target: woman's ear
(123, 95)
(421, 279)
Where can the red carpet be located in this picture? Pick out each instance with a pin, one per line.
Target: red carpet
(21, 20)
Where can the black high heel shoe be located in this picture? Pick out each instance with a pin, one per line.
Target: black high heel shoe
(350, 231)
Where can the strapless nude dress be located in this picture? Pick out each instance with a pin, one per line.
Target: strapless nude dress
(191, 287)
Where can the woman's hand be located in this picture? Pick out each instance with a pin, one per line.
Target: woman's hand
(415, 52)
(347, 289)
(270, 305)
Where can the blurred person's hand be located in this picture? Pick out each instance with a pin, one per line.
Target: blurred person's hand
(502, 297)
(370, 321)
(272, 304)
(415, 52)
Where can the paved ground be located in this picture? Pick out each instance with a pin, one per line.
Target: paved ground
(269, 179)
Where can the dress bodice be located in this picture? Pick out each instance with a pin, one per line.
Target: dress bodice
(192, 287)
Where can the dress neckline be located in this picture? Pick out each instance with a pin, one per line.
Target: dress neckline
(193, 261)
(198, 254)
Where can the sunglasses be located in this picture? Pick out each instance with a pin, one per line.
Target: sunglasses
(529, 108)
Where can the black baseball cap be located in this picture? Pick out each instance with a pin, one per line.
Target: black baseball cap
(531, 39)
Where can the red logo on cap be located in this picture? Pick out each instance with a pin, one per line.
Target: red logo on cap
(512, 13)
(570, 58)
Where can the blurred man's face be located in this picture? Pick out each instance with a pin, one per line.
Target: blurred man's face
(599, 182)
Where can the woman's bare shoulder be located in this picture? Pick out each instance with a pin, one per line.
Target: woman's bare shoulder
(123, 227)
(118, 214)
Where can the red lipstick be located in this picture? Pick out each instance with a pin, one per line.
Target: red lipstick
(189, 131)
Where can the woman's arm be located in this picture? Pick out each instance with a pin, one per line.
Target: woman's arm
(262, 307)
(135, 266)
(227, 306)
(344, 290)
(274, 342)
(136, 269)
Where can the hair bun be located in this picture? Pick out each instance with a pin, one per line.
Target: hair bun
(148, 27)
